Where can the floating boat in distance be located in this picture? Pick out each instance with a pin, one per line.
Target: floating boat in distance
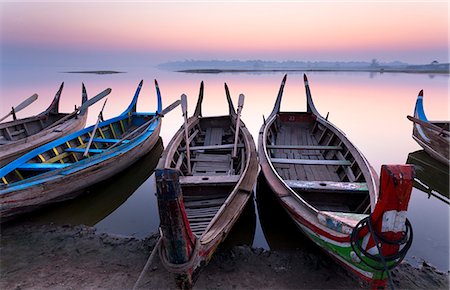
(432, 177)
(58, 170)
(21, 135)
(331, 192)
(432, 136)
(204, 180)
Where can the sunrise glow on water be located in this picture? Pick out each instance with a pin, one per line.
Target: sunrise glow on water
(42, 41)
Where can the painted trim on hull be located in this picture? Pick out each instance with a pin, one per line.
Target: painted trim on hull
(361, 273)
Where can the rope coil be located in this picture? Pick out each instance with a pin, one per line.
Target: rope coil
(394, 260)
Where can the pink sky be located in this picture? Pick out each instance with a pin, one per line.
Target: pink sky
(415, 32)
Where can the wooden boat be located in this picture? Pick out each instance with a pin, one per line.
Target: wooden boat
(203, 182)
(331, 192)
(21, 135)
(60, 169)
(432, 177)
(432, 136)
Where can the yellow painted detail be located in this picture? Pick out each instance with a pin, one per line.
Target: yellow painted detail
(4, 180)
(41, 157)
(121, 126)
(101, 133)
(112, 131)
(18, 174)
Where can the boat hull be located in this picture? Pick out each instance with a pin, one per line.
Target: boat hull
(15, 149)
(70, 182)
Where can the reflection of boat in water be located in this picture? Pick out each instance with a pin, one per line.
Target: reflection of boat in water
(432, 177)
(279, 230)
(243, 231)
(103, 198)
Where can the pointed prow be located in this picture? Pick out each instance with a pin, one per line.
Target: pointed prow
(310, 108)
(198, 107)
(276, 107)
(419, 111)
(231, 109)
(159, 98)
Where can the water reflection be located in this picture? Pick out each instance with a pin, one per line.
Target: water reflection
(279, 229)
(243, 231)
(100, 200)
(432, 177)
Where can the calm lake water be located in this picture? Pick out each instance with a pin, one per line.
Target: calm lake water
(370, 108)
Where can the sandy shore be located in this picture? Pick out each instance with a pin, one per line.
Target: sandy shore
(66, 257)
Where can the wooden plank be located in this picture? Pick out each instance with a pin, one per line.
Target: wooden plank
(310, 162)
(204, 203)
(193, 136)
(179, 161)
(209, 180)
(216, 136)
(328, 185)
(212, 147)
(304, 147)
(212, 158)
(348, 170)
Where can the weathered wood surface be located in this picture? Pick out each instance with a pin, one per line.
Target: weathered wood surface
(219, 187)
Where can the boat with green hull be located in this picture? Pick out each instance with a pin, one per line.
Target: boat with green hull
(331, 192)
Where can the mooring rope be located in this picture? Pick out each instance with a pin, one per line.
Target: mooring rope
(384, 260)
(149, 262)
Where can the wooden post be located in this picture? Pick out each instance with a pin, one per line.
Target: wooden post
(238, 121)
(186, 132)
(178, 239)
(389, 216)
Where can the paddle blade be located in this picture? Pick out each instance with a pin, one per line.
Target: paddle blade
(95, 99)
(26, 103)
(170, 107)
(22, 105)
(241, 100)
(184, 104)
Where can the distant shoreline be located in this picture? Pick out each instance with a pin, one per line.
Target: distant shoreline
(377, 70)
(98, 72)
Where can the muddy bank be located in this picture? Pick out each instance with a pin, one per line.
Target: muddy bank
(63, 257)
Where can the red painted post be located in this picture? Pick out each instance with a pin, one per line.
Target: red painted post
(178, 240)
(389, 216)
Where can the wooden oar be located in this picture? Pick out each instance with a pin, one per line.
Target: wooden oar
(21, 106)
(100, 117)
(83, 106)
(186, 131)
(238, 121)
(429, 125)
(164, 112)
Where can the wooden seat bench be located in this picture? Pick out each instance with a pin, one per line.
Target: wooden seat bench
(311, 161)
(328, 186)
(213, 147)
(304, 147)
(209, 179)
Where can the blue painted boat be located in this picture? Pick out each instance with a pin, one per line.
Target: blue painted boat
(432, 136)
(61, 169)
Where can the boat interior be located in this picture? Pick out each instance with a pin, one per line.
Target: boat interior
(70, 151)
(214, 171)
(445, 125)
(316, 164)
(22, 128)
